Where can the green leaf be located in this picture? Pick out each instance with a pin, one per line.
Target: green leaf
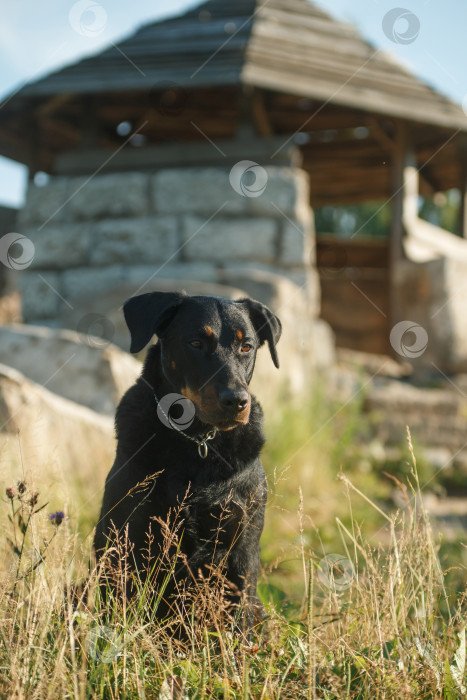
(389, 648)
(360, 662)
(38, 510)
(14, 547)
(23, 526)
(271, 594)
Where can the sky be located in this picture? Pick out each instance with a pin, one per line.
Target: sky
(427, 36)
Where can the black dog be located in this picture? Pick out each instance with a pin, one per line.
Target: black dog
(204, 464)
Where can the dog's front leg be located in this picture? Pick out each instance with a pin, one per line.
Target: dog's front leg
(243, 566)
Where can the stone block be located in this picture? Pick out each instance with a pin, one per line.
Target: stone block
(286, 194)
(88, 281)
(204, 190)
(455, 272)
(305, 279)
(77, 366)
(65, 447)
(47, 202)
(323, 345)
(41, 294)
(60, 246)
(230, 239)
(143, 240)
(149, 275)
(296, 243)
(113, 195)
(195, 190)
(104, 312)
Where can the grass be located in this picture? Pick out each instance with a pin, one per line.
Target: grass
(362, 601)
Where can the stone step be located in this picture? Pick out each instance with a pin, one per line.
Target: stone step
(394, 397)
(440, 433)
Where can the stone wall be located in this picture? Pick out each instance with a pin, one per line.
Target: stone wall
(431, 292)
(135, 230)
(91, 236)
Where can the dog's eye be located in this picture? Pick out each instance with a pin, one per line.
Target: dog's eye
(195, 343)
(246, 347)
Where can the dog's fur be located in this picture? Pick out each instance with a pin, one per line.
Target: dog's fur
(206, 352)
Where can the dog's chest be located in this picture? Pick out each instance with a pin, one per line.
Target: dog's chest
(216, 523)
(217, 510)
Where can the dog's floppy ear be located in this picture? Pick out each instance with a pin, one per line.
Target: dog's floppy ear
(267, 325)
(148, 314)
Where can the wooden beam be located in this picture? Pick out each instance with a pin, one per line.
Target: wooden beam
(431, 183)
(188, 154)
(381, 134)
(261, 115)
(48, 107)
(59, 129)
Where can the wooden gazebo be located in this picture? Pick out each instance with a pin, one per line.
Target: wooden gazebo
(273, 79)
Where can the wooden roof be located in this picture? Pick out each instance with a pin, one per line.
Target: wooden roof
(302, 71)
(283, 45)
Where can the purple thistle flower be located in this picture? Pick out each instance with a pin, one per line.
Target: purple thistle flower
(57, 518)
(10, 492)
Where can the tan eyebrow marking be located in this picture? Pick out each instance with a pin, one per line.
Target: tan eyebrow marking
(239, 334)
(173, 364)
(208, 330)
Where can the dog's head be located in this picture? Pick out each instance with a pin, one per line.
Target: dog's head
(208, 348)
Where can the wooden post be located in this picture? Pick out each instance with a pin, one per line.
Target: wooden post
(89, 123)
(463, 189)
(33, 149)
(402, 157)
(245, 124)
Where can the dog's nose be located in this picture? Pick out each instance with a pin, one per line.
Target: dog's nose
(234, 399)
